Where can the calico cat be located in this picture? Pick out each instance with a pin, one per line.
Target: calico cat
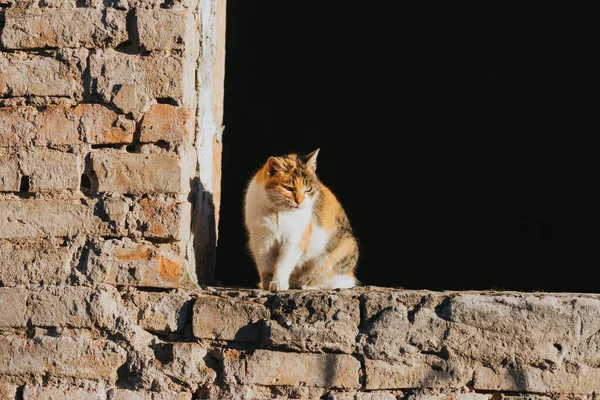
(298, 232)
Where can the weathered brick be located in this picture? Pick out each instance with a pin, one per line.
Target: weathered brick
(80, 27)
(423, 395)
(63, 356)
(163, 218)
(580, 380)
(59, 73)
(227, 319)
(38, 218)
(9, 174)
(8, 391)
(131, 100)
(72, 306)
(125, 394)
(376, 395)
(323, 370)
(13, 307)
(156, 75)
(167, 123)
(41, 4)
(60, 125)
(162, 313)
(137, 173)
(330, 325)
(416, 371)
(50, 170)
(165, 29)
(61, 393)
(186, 363)
(36, 263)
(124, 262)
(56, 306)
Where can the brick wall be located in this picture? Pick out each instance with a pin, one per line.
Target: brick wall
(110, 132)
(110, 128)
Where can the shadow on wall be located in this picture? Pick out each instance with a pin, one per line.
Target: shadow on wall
(204, 232)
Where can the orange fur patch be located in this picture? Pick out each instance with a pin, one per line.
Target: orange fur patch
(329, 210)
(346, 247)
(306, 237)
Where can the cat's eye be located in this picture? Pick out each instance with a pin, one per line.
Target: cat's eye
(308, 189)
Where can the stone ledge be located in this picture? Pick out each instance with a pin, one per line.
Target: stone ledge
(363, 343)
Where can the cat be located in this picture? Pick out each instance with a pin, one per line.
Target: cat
(298, 232)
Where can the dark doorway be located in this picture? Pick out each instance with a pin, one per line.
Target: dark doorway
(456, 135)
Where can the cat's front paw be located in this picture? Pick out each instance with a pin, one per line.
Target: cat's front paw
(275, 285)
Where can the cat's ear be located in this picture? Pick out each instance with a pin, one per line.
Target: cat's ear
(274, 165)
(311, 160)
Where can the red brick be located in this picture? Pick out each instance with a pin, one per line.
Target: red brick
(123, 262)
(61, 125)
(164, 122)
(163, 218)
(80, 27)
(8, 391)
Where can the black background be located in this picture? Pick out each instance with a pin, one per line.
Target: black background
(457, 135)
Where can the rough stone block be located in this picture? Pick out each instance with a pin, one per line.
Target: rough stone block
(423, 395)
(61, 393)
(33, 263)
(376, 395)
(137, 173)
(186, 363)
(569, 380)
(156, 75)
(59, 73)
(228, 319)
(60, 125)
(56, 306)
(163, 218)
(8, 391)
(124, 262)
(323, 370)
(167, 123)
(80, 27)
(330, 325)
(164, 29)
(37, 3)
(162, 313)
(125, 394)
(50, 171)
(529, 330)
(416, 371)
(38, 218)
(13, 307)
(9, 174)
(63, 357)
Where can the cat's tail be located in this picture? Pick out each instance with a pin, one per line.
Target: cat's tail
(339, 281)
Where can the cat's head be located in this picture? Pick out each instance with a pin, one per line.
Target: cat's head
(291, 181)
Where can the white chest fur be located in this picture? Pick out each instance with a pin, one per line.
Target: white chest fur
(276, 231)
